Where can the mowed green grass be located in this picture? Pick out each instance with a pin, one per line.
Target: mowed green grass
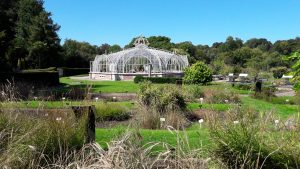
(194, 138)
(102, 86)
(130, 86)
(60, 104)
(281, 110)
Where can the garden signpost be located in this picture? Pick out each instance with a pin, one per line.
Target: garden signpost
(88, 112)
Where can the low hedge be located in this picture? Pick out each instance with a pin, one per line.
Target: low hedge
(244, 86)
(74, 71)
(161, 80)
(45, 78)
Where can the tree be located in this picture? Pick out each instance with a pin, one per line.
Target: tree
(278, 72)
(190, 50)
(231, 44)
(8, 17)
(114, 48)
(160, 42)
(104, 48)
(296, 67)
(78, 54)
(36, 43)
(262, 44)
(283, 47)
(198, 73)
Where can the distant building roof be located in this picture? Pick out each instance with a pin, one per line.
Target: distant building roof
(243, 75)
(287, 77)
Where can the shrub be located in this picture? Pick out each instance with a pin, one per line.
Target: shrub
(111, 111)
(216, 96)
(74, 71)
(159, 80)
(192, 92)
(162, 80)
(297, 86)
(161, 98)
(243, 86)
(278, 72)
(138, 79)
(157, 102)
(268, 91)
(37, 78)
(198, 73)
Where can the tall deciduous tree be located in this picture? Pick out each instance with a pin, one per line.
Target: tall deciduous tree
(78, 54)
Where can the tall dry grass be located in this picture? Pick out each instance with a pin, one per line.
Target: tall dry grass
(248, 139)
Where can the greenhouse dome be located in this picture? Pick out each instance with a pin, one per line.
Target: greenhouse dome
(139, 60)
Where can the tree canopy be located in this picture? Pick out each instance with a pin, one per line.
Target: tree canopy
(29, 39)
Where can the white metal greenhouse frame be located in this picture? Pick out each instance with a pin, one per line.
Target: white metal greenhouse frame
(139, 60)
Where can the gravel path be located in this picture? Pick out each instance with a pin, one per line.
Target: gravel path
(286, 93)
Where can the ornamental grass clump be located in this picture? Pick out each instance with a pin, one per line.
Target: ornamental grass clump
(155, 102)
(111, 111)
(247, 139)
(24, 139)
(216, 96)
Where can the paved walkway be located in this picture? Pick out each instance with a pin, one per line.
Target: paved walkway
(286, 90)
(286, 93)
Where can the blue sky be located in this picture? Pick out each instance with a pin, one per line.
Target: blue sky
(198, 21)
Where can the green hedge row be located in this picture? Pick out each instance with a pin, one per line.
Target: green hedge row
(172, 80)
(75, 71)
(45, 78)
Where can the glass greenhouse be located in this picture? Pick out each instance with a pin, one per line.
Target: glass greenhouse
(139, 60)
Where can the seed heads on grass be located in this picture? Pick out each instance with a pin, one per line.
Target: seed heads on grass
(32, 147)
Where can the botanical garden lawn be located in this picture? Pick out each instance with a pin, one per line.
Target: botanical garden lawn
(102, 86)
(192, 138)
(281, 110)
(60, 104)
(130, 86)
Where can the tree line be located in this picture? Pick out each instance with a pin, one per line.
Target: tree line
(29, 40)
